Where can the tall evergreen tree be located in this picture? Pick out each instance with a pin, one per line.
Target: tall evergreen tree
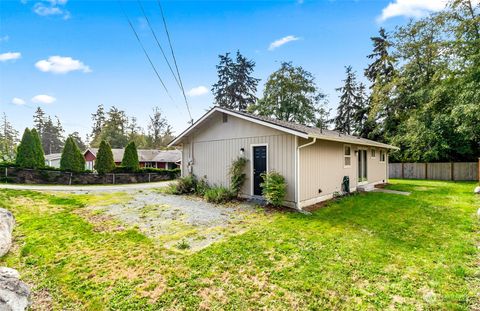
(235, 88)
(26, 152)
(52, 136)
(39, 120)
(348, 103)
(382, 69)
(360, 119)
(380, 72)
(130, 157)
(8, 139)
(291, 95)
(78, 140)
(38, 150)
(114, 129)
(104, 162)
(98, 119)
(72, 158)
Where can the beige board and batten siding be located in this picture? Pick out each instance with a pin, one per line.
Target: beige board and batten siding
(217, 143)
(321, 169)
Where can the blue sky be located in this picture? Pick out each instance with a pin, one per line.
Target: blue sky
(69, 56)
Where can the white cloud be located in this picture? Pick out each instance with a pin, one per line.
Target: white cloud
(10, 56)
(61, 65)
(51, 7)
(43, 99)
(411, 8)
(278, 43)
(18, 101)
(197, 91)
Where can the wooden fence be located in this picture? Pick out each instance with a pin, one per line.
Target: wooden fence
(438, 171)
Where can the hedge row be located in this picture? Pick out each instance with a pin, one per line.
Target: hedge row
(44, 176)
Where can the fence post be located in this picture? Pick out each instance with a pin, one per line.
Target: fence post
(70, 180)
(451, 171)
(403, 174)
(113, 178)
(6, 174)
(426, 170)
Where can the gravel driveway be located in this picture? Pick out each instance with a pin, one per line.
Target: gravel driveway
(87, 188)
(182, 222)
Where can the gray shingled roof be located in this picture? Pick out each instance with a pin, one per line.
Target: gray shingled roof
(309, 131)
(53, 156)
(146, 155)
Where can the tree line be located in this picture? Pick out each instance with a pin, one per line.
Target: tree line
(423, 91)
(112, 126)
(30, 154)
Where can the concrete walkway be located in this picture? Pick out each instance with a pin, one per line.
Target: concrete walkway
(391, 191)
(87, 188)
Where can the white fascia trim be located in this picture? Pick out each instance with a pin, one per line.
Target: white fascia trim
(264, 123)
(353, 142)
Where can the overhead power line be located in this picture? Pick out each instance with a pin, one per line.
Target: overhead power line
(175, 60)
(158, 42)
(145, 52)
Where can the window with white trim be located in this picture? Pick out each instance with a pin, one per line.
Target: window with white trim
(382, 156)
(373, 153)
(347, 156)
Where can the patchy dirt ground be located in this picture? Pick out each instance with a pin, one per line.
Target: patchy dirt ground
(179, 222)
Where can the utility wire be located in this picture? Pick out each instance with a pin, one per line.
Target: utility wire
(145, 52)
(175, 60)
(158, 43)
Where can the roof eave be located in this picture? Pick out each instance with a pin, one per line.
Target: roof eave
(178, 139)
(353, 142)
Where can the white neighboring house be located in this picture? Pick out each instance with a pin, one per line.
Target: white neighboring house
(53, 160)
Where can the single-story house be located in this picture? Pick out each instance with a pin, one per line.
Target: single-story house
(53, 160)
(313, 161)
(167, 159)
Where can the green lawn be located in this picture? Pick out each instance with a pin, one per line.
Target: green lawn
(367, 251)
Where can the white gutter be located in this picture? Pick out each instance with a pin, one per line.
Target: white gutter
(297, 190)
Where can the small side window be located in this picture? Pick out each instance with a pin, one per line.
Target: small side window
(347, 156)
(382, 156)
(225, 117)
(372, 153)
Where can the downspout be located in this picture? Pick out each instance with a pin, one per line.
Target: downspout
(298, 169)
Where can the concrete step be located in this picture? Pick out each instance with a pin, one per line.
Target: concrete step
(365, 188)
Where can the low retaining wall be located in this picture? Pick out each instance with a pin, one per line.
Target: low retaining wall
(31, 176)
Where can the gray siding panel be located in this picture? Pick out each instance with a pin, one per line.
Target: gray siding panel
(217, 144)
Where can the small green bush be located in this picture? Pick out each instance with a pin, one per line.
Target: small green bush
(130, 158)
(183, 245)
(274, 188)
(26, 151)
(186, 185)
(104, 162)
(237, 174)
(38, 149)
(218, 195)
(72, 158)
(202, 187)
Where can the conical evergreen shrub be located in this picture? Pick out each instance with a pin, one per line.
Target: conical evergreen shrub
(38, 149)
(26, 151)
(72, 158)
(104, 162)
(130, 158)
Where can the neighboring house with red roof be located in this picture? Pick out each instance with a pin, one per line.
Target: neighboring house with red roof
(166, 159)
